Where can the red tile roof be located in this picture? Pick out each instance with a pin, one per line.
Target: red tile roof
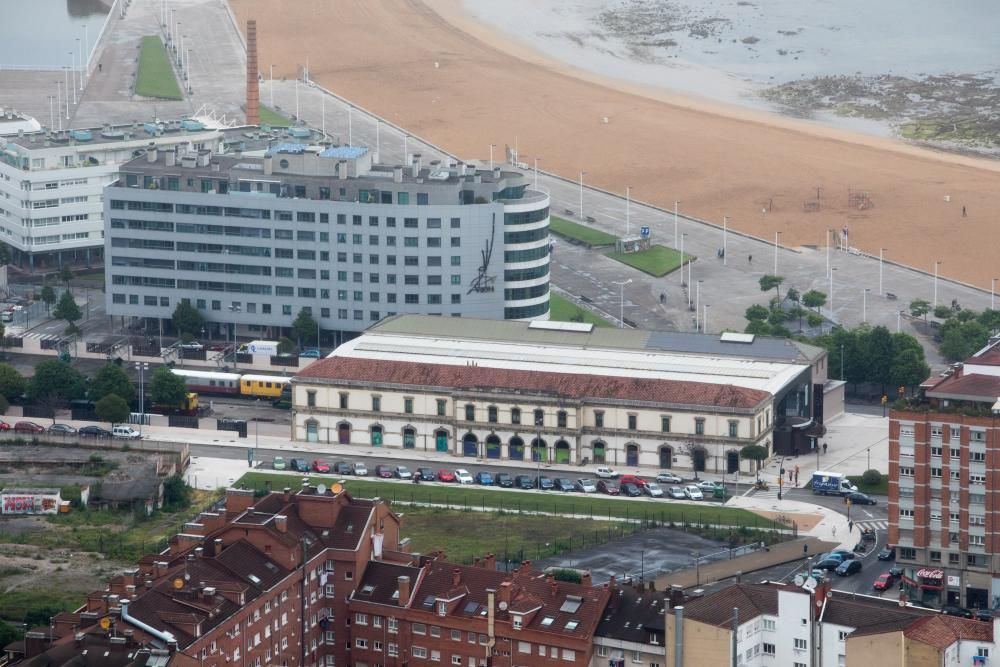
(942, 631)
(563, 385)
(753, 600)
(986, 387)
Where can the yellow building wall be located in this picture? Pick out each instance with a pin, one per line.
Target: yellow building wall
(704, 644)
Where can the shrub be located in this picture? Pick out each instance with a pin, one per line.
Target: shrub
(871, 477)
(567, 574)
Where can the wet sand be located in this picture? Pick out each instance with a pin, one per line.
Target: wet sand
(717, 160)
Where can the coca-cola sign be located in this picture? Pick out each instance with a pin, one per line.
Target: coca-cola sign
(927, 573)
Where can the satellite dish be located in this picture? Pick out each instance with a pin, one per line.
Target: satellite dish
(321, 489)
(503, 606)
(336, 488)
(809, 585)
(799, 580)
(178, 583)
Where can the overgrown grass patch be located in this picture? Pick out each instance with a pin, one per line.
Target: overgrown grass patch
(156, 76)
(269, 116)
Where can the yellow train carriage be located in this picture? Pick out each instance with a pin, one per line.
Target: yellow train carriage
(263, 386)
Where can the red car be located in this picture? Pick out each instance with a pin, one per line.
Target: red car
(632, 479)
(319, 465)
(4, 426)
(384, 471)
(609, 487)
(28, 427)
(883, 582)
(446, 476)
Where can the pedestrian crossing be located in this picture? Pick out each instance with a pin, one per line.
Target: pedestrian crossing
(877, 525)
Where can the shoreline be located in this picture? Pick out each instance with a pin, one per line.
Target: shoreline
(455, 13)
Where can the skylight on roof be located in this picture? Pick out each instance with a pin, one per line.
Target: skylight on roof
(470, 607)
(428, 601)
(571, 604)
(367, 589)
(254, 579)
(547, 621)
(572, 625)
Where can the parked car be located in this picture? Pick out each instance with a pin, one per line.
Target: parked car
(605, 472)
(632, 479)
(883, 582)
(631, 490)
(584, 485)
(524, 482)
(887, 553)
(4, 426)
(310, 353)
(668, 478)
(446, 476)
(89, 431)
(342, 468)
(402, 472)
(984, 615)
(484, 478)
(463, 477)
(123, 432)
(676, 492)
(843, 553)
(708, 486)
(426, 474)
(319, 465)
(383, 471)
(298, 465)
(896, 571)
(28, 427)
(653, 490)
(563, 484)
(859, 498)
(692, 492)
(848, 567)
(828, 564)
(360, 469)
(62, 429)
(193, 346)
(609, 487)
(278, 463)
(954, 610)
(545, 483)
(504, 480)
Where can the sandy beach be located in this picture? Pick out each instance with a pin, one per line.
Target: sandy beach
(430, 67)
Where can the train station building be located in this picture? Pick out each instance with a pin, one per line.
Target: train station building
(563, 393)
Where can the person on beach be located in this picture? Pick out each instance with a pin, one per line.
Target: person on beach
(963, 211)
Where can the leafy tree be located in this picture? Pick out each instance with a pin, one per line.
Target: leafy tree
(758, 328)
(871, 477)
(756, 312)
(769, 282)
(111, 379)
(943, 312)
(166, 388)
(66, 274)
(908, 368)
(285, 345)
(814, 299)
(186, 319)
(814, 320)
(55, 383)
(777, 317)
(797, 313)
(754, 453)
(66, 309)
(48, 296)
(112, 409)
(792, 295)
(176, 494)
(989, 319)
(12, 384)
(779, 331)
(42, 615)
(959, 340)
(8, 633)
(878, 347)
(304, 327)
(567, 574)
(966, 315)
(920, 308)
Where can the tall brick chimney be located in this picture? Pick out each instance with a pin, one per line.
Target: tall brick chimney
(253, 83)
(404, 590)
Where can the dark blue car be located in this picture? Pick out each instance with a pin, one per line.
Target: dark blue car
(484, 478)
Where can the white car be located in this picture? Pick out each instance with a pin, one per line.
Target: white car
(652, 489)
(463, 477)
(585, 486)
(126, 432)
(692, 492)
(605, 472)
(668, 478)
(676, 492)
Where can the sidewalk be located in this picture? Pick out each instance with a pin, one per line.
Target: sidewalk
(720, 570)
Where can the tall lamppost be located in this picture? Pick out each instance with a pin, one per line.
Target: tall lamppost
(628, 206)
(776, 235)
(683, 236)
(676, 204)
(936, 266)
(142, 367)
(697, 304)
(582, 174)
(881, 257)
(536, 173)
(864, 305)
(492, 146)
(621, 318)
(899, 317)
(832, 269)
(704, 318)
(234, 310)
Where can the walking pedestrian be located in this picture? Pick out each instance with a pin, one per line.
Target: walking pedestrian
(100, 67)
(749, 259)
(834, 531)
(963, 211)
(796, 478)
(790, 475)
(824, 448)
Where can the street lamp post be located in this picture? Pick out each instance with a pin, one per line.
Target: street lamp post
(628, 206)
(697, 304)
(936, 265)
(676, 204)
(582, 174)
(142, 367)
(993, 293)
(899, 316)
(683, 236)
(864, 305)
(832, 269)
(881, 257)
(234, 309)
(776, 235)
(704, 318)
(79, 45)
(621, 318)
(536, 173)
(492, 146)
(841, 361)
(690, 266)
(829, 242)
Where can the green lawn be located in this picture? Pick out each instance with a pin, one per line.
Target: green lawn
(880, 489)
(271, 117)
(563, 310)
(658, 261)
(517, 502)
(572, 230)
(156, 76)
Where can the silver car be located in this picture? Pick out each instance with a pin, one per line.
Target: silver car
(360, 469)
(585, 486)
(677, 493)
(652, 489)
(668, 478)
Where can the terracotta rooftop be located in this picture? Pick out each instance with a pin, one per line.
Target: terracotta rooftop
(381, 582)
(970, 387)
(753, 600)
(562, 385)
(870, 615)
(942, 631)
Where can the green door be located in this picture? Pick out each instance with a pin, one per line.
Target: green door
(441, 441)
(562, 452)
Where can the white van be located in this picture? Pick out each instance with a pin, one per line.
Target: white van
(126, 432)
(605, 472)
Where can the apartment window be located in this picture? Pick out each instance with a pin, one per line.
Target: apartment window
(599, 418)
(954, 559)
(699, 426)
(470, 412)
(983, 652)
(442, 407)
(393, 625)
(311, 398)
(539, 417)
(800, 644)
(905, 471)
(435, 631)
(955, 432)
(515, 415)
(768, 649)
(936, 451)
(905, 514)
(935, 556)
(977, 540)
(408, 405)
(769, 624)
(376, 403)
(561, 419)
(977, 479)
(665, 424)
(955, 453)
(360, 643)
(978, 436)
(907, 553)
(361, 619)
(734, 429)
(493, 414)
(419, 652)
(456, 660)
(343, 400)
(935, 472)
(633, 422)
(435, 656)
(977, 520)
